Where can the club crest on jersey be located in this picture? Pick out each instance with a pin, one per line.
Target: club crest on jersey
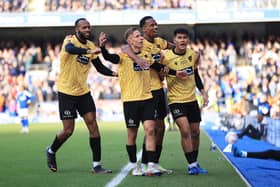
(189, 70)
(156, 57)
(83, 59)
(190, 58)
(136, 67)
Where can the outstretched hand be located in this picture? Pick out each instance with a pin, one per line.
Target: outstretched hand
(102, 39)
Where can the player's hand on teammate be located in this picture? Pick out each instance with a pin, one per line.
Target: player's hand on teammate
(181, 74)
(115, 74)
(164, 71)
(139, 61)
(102, 39)
(142, 63)
(95, 51)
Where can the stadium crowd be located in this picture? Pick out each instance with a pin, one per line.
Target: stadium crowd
(100, 5)
(235, 76)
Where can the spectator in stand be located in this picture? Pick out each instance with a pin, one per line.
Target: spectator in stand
(98, 5)
(13, 5)
(263, 105)
(2, 101)
(88, 5)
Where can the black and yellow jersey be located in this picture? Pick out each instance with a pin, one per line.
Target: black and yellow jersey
(179, 90)
(74, 69)
(135, 82)
(155, 49)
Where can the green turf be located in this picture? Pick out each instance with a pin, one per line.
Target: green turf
(23, 162)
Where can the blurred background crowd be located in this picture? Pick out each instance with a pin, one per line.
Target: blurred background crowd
(238, 76)
(100, 5)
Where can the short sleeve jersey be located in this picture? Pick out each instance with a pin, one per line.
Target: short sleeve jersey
(181, 91)
(73, 74)
(154, 49)
(134, 81)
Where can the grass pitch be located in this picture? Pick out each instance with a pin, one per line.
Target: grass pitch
(23, 161)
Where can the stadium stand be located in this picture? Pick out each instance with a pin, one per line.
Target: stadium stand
(101, 5)
(228, 72)
(235, 70)
(14, 5)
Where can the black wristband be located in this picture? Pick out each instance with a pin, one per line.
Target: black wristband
(172, 72)
(198, 81)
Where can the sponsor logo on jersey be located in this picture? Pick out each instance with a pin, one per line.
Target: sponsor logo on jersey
(189, 70)
(136, 67)
(83, 59)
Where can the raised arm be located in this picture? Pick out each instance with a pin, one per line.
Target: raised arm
(72, 49)
(113, 58)
(103, 69)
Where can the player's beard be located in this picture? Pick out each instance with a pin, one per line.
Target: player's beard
(82, 37)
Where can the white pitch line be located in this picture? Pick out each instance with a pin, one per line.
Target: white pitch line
(123, 173)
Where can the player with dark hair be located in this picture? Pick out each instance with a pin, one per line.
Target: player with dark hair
(77, 55)
(137, 98)
(182, 99)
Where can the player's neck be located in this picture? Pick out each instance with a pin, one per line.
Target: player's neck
(135, 50)
(81, 39)
(149, 39)
(178, 51)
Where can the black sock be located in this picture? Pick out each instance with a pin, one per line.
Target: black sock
(190, 157)
(144, 154)
(56, 144)
(158, 152)
(95, 145)
(131, 150)
(152, 156)
(195, 154)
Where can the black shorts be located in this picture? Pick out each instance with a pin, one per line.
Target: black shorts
(159, 100)
(69, 105)
(136, 111)
(191, 110)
